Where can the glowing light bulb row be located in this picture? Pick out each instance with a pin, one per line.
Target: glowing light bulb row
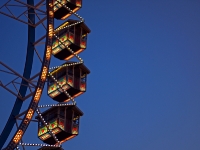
(60, 86)
(17, 148)
(56, 105)
(47, 145)
(67, 26)
(45, 123)
(18, 136)
(40, 84)
(65, 65)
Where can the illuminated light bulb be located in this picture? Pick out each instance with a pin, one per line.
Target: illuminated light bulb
(37, 95)
(29, 114)
(48, 53)
(18, 136)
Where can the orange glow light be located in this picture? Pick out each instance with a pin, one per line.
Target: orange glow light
(74, 96)
(50, 4)
(76, 9)
(68, 138)
(48, 54)
(44, 73)
(77, 52)
(18, 136)
(51, 14)
(77, 94)
(51, 30)
(29, 114)
(38, 94)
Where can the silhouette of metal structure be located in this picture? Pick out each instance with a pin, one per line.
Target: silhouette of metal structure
(60, 122)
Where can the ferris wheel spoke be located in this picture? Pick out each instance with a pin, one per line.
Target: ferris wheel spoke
(6, 3)
(38, 55)
(30, 120)
(17, 74)
(43, 18)
(19, 4)
(34, 7)
(18, 93)
(18, 117)
(10, 91)
(37, 49)
(13, 86)
(40, 21)
(39, 40)
(7, 72)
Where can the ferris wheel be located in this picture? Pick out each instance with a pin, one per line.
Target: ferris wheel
(64, 38)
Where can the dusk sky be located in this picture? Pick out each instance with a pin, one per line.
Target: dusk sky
(143, 92)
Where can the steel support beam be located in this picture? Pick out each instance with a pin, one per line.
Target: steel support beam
(27, 72)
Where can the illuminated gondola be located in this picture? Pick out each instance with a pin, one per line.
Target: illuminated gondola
(63, 121)
(72, 79)
(60, 8)
(75, 37)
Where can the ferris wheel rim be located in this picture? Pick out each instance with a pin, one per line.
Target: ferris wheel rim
(26, 74)
(27, 115)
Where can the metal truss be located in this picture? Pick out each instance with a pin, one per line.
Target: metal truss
(14, 83)
(20, 4)
(58, 144)
(26, 116)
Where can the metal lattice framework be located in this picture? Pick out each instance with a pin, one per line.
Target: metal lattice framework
(32, 87)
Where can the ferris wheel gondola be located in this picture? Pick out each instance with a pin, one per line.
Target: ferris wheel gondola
(65, 82)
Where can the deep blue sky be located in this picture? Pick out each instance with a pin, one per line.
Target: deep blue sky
(144, 87)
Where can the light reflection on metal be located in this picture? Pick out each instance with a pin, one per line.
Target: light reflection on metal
(68, 138)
